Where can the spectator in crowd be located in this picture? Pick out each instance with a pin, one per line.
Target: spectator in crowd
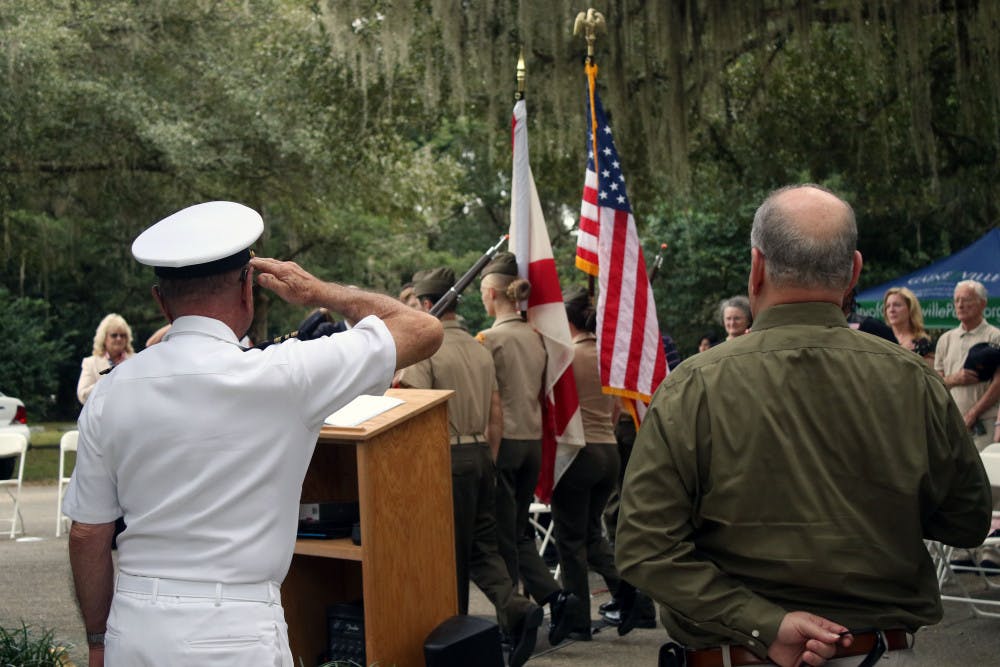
(770, 527)
(976, 398)
(901, 310)
(735, 316)
(112, 345)
(707, 341)
(670, 352)
(866, 323)
(407, 295)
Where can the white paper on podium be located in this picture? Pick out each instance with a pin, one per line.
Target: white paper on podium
(361, 409)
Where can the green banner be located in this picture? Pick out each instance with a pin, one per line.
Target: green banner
(938, 313)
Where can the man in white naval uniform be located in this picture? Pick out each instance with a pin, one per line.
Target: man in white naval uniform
(203, 445)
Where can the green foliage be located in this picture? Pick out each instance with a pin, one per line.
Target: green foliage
(708, 259)
(375, 139)
(26, 647)
(34, 347)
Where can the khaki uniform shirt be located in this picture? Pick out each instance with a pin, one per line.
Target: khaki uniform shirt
(952, 349)
(519, 356)
(596, 407)
(798, 467)
(463, 365)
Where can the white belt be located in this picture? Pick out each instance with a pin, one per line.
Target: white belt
(267, 591)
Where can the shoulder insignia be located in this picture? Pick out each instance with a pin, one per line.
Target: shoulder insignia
(481, 336)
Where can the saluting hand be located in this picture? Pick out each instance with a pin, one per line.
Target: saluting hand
(806, 638)
(288, 280)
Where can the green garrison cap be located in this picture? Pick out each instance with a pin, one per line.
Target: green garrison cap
(576, 297)
(434, 282)
(504, 263)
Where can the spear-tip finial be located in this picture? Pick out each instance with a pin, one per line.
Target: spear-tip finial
(521, 71)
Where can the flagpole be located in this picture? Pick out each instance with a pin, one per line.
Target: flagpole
(588, 24)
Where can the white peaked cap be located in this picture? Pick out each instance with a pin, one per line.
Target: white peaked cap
(200, 240)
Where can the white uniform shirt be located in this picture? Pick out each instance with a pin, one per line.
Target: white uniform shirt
(203, 446)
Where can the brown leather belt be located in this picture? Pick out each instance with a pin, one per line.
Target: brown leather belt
(862, 644)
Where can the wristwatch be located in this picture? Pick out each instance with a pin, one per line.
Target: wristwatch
(95, 639)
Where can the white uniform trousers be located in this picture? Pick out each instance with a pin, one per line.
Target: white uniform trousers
(168, 622)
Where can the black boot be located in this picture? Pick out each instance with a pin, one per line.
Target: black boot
(564, 608)
(524, 635)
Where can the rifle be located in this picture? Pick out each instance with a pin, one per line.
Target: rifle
(452, 295)
(657, 263)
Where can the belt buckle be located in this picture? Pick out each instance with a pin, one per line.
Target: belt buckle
(877, 651)
(671, 654)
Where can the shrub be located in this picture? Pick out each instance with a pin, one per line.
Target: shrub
(24, 647)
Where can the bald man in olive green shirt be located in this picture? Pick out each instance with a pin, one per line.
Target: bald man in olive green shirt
(782, 483)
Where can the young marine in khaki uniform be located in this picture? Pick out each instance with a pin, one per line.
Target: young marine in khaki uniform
(474, 417)
(519, 356)
(579, 499)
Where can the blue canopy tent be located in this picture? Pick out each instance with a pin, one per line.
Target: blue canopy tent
(934, 285)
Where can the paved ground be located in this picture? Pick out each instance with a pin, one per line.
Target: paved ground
(35, 587)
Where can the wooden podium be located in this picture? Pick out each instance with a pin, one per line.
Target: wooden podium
(397, 465)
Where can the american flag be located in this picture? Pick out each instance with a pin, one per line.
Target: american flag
(562, 432)
(628, 336)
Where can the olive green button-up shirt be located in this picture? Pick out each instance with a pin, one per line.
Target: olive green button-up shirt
(798, 467)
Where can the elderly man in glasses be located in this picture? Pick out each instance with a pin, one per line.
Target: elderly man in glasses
(782, 484)
(976, 398)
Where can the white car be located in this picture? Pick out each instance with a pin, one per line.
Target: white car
(13, 416)
(13, 419)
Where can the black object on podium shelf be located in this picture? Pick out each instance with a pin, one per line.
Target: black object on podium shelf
(461, 641)
(328, 520)
(346, 625)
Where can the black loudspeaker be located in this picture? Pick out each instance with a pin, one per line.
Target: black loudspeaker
(461, 641)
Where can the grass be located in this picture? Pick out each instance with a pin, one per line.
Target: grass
(27, 647)
(42, 463)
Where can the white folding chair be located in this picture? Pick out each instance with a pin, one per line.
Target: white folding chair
(67, 443)
(14, 444)
(535, 511)
(948, 574)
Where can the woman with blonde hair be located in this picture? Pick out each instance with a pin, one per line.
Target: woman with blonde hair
(519, 357)
(112, 345)
(901, 311)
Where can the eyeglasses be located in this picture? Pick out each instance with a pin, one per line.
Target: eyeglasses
(118, 335)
